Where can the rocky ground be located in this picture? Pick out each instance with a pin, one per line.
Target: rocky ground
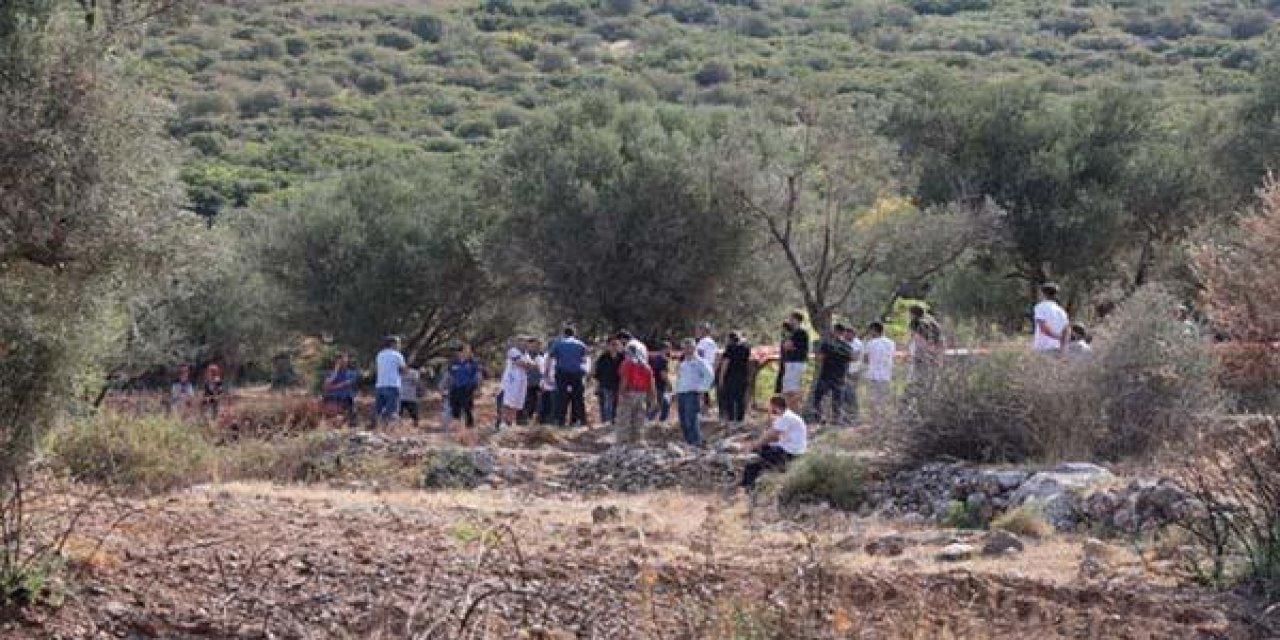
(535, 533)
(261, 561)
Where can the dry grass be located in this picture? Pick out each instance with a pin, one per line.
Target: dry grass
(1026, 520)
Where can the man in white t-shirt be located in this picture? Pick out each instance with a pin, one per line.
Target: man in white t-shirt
(708, 351)
(1051, 322)
(879, 353)
(391, 365)
(515, 380)
(786, 438)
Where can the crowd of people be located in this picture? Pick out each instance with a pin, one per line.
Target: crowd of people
(633, 384)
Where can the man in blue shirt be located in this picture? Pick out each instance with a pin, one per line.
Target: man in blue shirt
(340, 387)
(568, 356)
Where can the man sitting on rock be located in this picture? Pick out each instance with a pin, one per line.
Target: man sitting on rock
(785, 439)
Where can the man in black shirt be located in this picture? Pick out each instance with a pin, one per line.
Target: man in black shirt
(795, 358)
(834, 356)
(606, 374)
(734, 376)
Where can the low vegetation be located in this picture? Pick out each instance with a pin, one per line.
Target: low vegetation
(827, 477)
(1146, 386)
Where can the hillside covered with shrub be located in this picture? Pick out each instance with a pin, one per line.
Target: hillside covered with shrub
(270, 94)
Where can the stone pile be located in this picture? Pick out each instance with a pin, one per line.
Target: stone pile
(1069, 496)
(640, 468)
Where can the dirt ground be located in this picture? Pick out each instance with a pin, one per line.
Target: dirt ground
(351, 560)
(260, 561)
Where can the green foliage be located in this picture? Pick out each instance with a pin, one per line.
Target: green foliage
(146, 454)
(392, 249)
(613, 207)
(86, 218)
(816, 477)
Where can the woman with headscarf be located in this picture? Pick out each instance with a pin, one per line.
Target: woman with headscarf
(636, 391)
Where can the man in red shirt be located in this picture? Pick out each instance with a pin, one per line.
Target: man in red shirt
(636, 391)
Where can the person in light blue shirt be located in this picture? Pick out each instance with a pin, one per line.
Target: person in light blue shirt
(693, 379)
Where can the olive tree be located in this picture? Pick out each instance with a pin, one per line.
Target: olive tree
(618, 216)
(396, 248)
(87, 202)
(823, 189)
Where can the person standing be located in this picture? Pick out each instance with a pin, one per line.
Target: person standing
(879, 356)
(854, 377)
(926, 345)
(659, 362)
(794, 359)
(708, 352)
(386, 387)
(568, 364)
(340, 387)
(834, 356)
(515, 381)
(636, 389)
(182, 393)
(410, 394)
(605, 373)
(212, 392)
(786, 439)
(547, 398)
(1052, 324)
(464, 378)
(693, 379)
(734, 376)
(533, 379)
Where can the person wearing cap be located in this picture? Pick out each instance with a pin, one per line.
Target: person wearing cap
(515, 381)
(734, 376)
(636, 390)
(390, 366)
(834, 357)
(1052, 324)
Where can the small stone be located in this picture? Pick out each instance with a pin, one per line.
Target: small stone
(604, 514)
(998, 543)
(956, 553)
(886, 546)
(116, 609)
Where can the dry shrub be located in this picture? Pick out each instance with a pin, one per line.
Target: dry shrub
(1237, 527)
(1156, 383)
(146, 454)
(282, 416)
(1238, 274)
(1146, 385)
(1026, 520)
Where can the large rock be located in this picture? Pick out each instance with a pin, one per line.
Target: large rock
(1059, 491)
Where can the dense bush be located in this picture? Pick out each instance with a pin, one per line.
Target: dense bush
(1147, 386)
(147, 454)
(818, 477)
